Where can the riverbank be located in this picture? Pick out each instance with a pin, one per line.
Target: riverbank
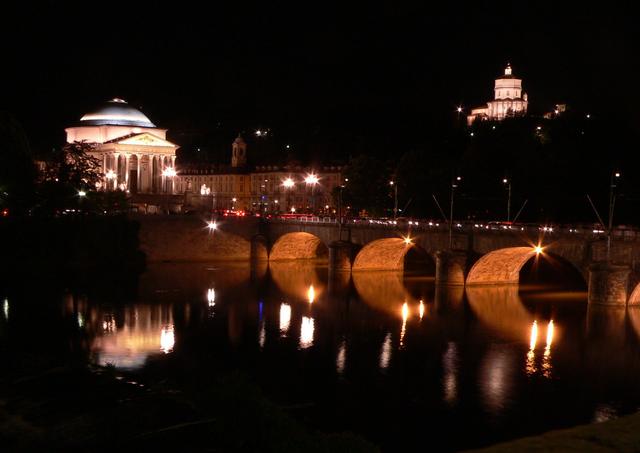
(619, 435)
(78, 408)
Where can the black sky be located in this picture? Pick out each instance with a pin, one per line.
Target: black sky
(382, 76)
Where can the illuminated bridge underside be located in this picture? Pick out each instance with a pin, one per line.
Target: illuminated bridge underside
(634, 299)
(500, 266)
(296, 246)
(383, 255)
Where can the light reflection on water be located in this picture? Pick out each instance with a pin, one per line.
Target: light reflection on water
(486, 347)
(306, 332)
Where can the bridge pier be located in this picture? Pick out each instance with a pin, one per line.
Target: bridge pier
(451, 267)
(259, 249)
(608, 284)
(340, 256)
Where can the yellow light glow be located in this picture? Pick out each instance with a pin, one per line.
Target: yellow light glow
(311, 294)
(288, 183)
(311, 179)
(211, 297)
(408, 240)
(405, 315)
(342, 357)
(169, 172)
(421, 309)
(538, 249)
(549, 335)
(534, 336)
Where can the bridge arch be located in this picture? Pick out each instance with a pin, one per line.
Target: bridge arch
(503, 266)
(296, 246)
(634, 298)
(500, 266)
(391, 254)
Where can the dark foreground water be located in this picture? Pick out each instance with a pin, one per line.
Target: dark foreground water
(396, 360)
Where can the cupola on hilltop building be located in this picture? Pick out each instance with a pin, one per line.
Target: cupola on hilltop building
(508, 100)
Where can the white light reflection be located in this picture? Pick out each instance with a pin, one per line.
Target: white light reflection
(80, 320)
(211, 297)
(341, 360)
(546, 358)
(285, 319)
(450, 366)
(496, 379)
(167, 339)
(421, 310)
(263, 335)
(385, 353)
(5, 309)
(306, 332)
(405, 315)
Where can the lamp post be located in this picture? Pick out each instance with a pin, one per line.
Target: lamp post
(312, 179)
(288, 185)
(395, 198)
(454, 185)
(170, 173)
(615, 175)
(111, 176)
(507, 182)
(340, 189)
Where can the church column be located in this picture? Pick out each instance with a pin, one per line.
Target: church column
(138, 173)
(126, 170)
(116, 169)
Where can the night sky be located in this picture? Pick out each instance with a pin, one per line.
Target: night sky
(369, 77)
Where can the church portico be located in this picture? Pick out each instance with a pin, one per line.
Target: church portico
(136, 156)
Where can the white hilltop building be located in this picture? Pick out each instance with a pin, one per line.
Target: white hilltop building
(135, 154)
(508, 100)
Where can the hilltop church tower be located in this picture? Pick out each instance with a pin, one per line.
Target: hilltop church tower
(239, 152)
(508, 100)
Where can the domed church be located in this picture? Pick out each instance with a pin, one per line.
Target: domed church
(135, 154)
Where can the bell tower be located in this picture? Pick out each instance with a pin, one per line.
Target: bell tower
(239, 152)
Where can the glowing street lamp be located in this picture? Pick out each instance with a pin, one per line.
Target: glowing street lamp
(538, 249)
(507, 182)
(212, 225)
(111, 176)
(288, 184)
(312, 179)
(395, 198)
(82, 193)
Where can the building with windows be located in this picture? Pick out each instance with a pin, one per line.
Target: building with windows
(508, 100)
(135, 154)
(273, 189)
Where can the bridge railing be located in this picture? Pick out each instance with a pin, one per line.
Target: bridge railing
(625, 233)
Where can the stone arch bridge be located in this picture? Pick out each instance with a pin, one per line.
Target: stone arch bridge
(479, 254)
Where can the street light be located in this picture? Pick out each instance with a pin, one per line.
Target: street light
(312, 179)
(288, 184)
(395, 199)
(111, 176)
(508, 184)
(454, 185)
(615, 175)
(82, 193)
(169, 172)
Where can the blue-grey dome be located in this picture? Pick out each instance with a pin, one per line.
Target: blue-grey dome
(116, 112)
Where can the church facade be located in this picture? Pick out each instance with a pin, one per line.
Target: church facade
(508, 100)
(135, 154)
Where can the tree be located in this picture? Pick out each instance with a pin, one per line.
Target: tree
(368, 185)
(69, 170)
(17, 172)
(74, 165)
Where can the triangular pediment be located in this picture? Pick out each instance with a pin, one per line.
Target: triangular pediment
(144, 139)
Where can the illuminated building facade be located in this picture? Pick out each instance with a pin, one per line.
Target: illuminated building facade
(265, 189)
(509, 100)
(135, 154)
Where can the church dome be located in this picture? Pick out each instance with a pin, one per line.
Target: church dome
(116, 112)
